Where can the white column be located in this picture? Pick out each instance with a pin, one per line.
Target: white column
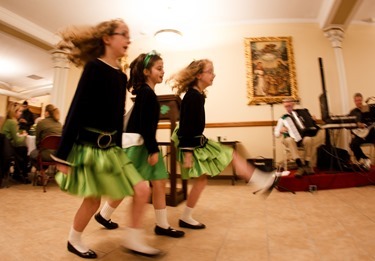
(336, 36)
(61, 70)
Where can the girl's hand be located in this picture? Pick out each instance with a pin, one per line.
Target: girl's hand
(188, 160)
(63, 168)
(153, 158)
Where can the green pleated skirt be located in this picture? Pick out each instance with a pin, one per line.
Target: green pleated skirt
(211, 159)
(139, 155)
(99, 172)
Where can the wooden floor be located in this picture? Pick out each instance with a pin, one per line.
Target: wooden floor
(330, 225)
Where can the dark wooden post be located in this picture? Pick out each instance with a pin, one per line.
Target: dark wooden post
(170, 111)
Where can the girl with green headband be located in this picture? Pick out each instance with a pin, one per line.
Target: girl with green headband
(146, 71)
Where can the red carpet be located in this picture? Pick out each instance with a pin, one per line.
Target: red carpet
(327, 180)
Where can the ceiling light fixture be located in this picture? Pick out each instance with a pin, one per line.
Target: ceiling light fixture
(169, 36)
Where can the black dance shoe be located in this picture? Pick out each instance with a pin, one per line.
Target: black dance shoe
(108, 224)
(89, 254)
(170, 232)
(182, 223)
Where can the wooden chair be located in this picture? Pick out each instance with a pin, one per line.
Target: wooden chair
(48, 143)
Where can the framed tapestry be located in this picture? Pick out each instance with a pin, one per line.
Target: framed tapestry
(270, 74)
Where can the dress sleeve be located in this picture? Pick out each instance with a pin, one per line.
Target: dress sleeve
(149, 117)
(193, 120)
(77, 110)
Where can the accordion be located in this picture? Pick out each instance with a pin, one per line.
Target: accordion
(300, 124)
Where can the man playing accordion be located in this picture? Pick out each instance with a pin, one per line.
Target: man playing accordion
(289, 127)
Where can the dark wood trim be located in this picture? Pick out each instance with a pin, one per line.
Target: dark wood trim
(163, 125)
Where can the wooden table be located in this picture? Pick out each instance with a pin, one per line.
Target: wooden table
(170, 111)
(178, 188)
(233, 177)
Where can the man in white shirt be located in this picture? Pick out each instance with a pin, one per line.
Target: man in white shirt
(292, 140)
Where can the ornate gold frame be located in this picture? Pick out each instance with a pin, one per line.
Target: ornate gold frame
(271, 75)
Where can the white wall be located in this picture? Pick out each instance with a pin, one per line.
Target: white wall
(227, 101)
(3, 103)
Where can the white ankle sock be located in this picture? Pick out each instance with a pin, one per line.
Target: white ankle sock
(161, 218)
(261, 178)
(187, 217)
(75, 240)
(135, 240)
(107, 211)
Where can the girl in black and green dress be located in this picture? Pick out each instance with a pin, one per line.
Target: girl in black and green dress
(92, 163)
(201, 157)
(146, 71)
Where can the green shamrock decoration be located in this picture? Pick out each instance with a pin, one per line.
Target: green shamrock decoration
(164, 109)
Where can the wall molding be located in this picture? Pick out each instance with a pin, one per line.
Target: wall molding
(166, 125)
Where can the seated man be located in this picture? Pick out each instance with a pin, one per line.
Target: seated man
(292, 140)
(365, 133)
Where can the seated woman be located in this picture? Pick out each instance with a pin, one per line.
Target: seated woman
(46, 127)
(18, 141)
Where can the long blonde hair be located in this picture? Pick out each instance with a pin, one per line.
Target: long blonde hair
(187, 77)
(2, 120)
(86, 43)
(13, 108)
(53, 112)
(11, 112)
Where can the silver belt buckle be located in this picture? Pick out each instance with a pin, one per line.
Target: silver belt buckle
(202, 140)
(101, 136)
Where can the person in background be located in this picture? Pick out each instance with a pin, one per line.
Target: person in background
(292, 140)
(18, 140)
(364, 121)
(2, 119)
(27, 118)
(91, 161)
(198, 156)
(50, 125)
(146, 71)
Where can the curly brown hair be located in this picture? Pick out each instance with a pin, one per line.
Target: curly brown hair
(86, 43)
(187, 77)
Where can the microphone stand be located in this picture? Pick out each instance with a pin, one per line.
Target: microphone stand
(272, 132)
(273, 135)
